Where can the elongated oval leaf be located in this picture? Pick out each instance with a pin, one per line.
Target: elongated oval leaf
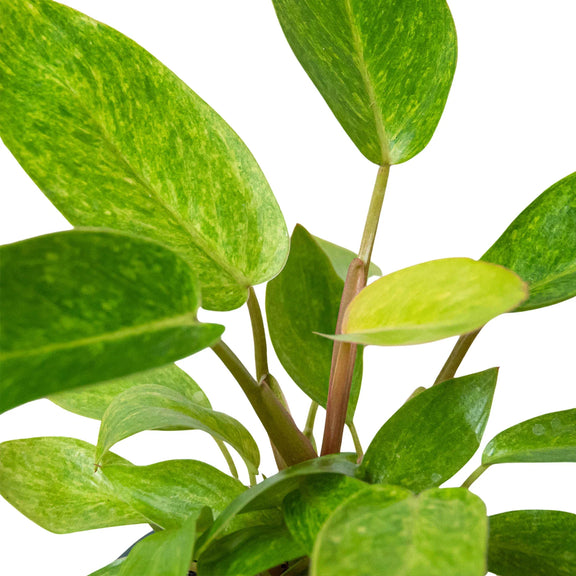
(52, 482)
(85, 306)
(116, 140)
(153, 407)
(433, 435)
(92, 401)
(301, 302)
(384, 67)
(439, 533)
(431, 301)
(167, 493)
(540, 246)
(547, 438)
(534, 542)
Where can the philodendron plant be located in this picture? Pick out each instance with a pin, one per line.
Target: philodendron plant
(172, 213)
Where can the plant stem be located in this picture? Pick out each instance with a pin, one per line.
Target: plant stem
(293, 446)
(310, 420)
(260, 349)
(456, 356)
(228, 458)
(474, 476)
(356, 440)
(344, 354)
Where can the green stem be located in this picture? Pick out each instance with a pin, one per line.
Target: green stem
(260, 348)
(310, 420)
(456, 356)
(228, 458)
(293, 446)
(475, 475)
(356, 440)
(252, 477)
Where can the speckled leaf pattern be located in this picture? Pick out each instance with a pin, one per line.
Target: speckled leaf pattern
(166, 553)
(384, 67)
(540, 246)
(116, 140)
(154, 407)
(303, 301)
(86, 306)
(546, 438)
(532, 542)
(167, 493)
(389, 532)
(92, 401)
(433, 435)
(52, 482)
(431, 301)
(271, 492)
(250, 551)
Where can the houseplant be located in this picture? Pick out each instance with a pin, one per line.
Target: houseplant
(301, 238)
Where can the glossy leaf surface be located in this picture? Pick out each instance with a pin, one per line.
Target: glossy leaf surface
(301, 302)
(534, 542)
(153, 407)
(540, 246)
(431, 301)
(433, 435)
(52, 482)
(85, 306)
(438, 533)
(110, 570)
(92, 401)
(546, 438)
(384, 67)
(116, 140)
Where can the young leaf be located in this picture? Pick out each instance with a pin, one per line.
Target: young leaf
(52, 482)
(387, 531)
(431, 301)
(534, 542)
(85, 306)
(384, 67)
(92, 401)
(153, 407)
(116, 140)
(540, 246)
(300, 303)
(546, 438)
(433, 435)
(249, 551)
(166, 553)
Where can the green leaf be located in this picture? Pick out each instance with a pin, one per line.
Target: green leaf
(116, 140)
(438, 533)
(153, 407)
(431, 301)
(301, 302)
(110, 570)
(384, 67)
(92, 401)
(52, 482)
(540, 246)
(167, 493)
(532, 542)
(547, 438)
(433, 435)
(307, 509)
(271, 492)
(166, 553)
(85, 306)
(249, 551)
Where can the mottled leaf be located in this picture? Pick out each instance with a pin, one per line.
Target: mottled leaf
(433, 435)
(52, 481)
(116, 140)
(384, 67)
(301, 302)
(540, 246)
(532, 542)
(441, 532)
(546, 438)
(153, 407)
(431, 301)
(92, 401)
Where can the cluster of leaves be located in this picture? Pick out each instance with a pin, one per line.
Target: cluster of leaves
(181, 217)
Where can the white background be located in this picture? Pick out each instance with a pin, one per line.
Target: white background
(507, 134)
